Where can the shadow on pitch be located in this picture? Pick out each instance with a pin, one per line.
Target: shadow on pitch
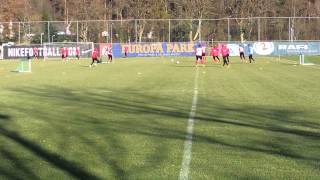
(54, 159)
(279, 129)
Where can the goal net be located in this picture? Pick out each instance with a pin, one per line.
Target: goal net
(54, 50)
(24, 66)
(307, 60)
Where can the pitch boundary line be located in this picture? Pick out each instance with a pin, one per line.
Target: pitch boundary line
(314, 66)
(187, 154)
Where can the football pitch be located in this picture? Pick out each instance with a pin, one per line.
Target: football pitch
(153, 118)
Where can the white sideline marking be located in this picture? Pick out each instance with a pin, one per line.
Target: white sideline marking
(184, 172)
(314, 66)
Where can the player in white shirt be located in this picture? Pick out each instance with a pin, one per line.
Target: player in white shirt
(198, 54)
(241, 52)
(203, 48)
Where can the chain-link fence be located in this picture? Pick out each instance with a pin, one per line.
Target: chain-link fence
(162, 30)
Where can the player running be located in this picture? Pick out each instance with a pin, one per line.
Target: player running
(109, 52)
(126, 50)
(225, 55)
(94, 57)
(228, 54)
(35, 53)
(215, 54)
(66, 53)
(250, 52)
(241, 52)
(203, 48)
(62, 53)
(198, 54)
(78, 53)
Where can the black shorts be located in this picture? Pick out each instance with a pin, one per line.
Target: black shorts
(198, 57)
(203, 54)
(62, 56)
(241, 53)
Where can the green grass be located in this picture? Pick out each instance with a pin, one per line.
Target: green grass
(128, 120)
(308, 59)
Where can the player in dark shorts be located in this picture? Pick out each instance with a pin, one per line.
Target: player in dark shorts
(241, 53)
(198, 54)
(215, 54)
(109, 52)
(225, 55)
(126, 49)
(228, 54)
(94, 57)
(35, 53)
(66, 53)
(250, 49)
(28, 56)
(62, 53)
(77, 53)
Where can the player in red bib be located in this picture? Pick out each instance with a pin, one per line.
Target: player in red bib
(62, 53)
(66, 52)
(94, 57)
(35, 53)
(225, 55)
(215, 54)
(126, 49)
(78, 53)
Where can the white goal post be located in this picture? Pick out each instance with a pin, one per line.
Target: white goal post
(303, 61)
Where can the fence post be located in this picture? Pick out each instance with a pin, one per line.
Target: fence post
(19, 33)
(169, 31)
(200, 30)
(289, 29)
(77, 31)
(259, 30)
(108, 30)
(229, 36)
(111, 34)
(136, 30)
(48, 31)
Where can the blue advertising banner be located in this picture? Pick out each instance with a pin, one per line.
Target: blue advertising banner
(153, 49)
(286, 48)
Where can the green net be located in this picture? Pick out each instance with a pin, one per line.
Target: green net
(24, 65)
(311, 60)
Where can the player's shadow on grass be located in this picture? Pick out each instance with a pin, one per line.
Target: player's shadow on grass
(20, 169)
(56, 160)
(102, 101)
(242, 118)
(4, 117)
(287, 130)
